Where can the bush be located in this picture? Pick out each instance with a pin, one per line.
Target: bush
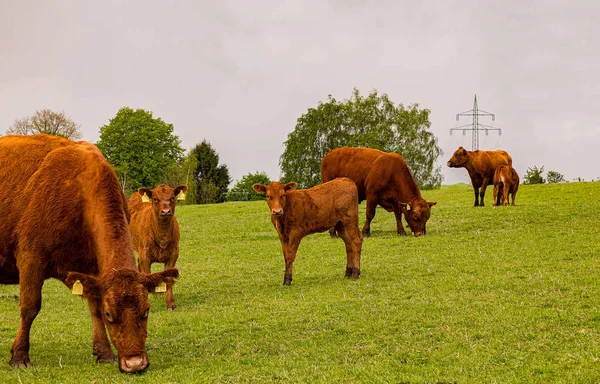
(555, 177)
(534, 176)
(243, 191)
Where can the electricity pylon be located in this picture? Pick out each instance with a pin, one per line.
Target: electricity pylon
(475, 126)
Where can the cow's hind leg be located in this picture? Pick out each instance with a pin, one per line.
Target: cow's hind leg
(371, 206)
(353, 241)
(100, 344)
(30, 303)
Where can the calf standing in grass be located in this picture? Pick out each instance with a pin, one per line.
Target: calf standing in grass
(506, 181)
(155, 230)
(297, 213)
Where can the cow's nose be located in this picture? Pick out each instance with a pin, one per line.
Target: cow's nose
(165, 212)
(134, 364)
(449, 163)
(419, 234)
(277, 212)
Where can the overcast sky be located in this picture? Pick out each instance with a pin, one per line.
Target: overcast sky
(240, 73)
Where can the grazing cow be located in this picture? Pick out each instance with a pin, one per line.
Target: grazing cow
(155, 230)
(381, 178)
(297, 213)
(506, 181)
(65, 217)
(481, 166)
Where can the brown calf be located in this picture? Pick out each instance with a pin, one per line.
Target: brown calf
(481, 166)
(65, 217)
(155, 230)
(506, 182)
(297, 213)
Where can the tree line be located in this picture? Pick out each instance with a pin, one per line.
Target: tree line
(145, 151)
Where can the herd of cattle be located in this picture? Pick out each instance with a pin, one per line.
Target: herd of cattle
(66, 217)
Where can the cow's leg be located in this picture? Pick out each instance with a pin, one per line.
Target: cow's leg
(514, 192)
(476, 189)
(353, 242)
(495, 201)
(371, 206)
(398, 214)
(144, 264)
(505, 191)
(482, 192)
(289, 255)
(30, 303)
(169, 296)
(100, 344)
(332, 233)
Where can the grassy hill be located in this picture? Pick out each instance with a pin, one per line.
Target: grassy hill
(506, 294)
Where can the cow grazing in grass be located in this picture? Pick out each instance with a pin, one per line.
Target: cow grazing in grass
(382, 179)
(297, 213)
(481, 166)
(506, 182)
(65, 217)
(155, 230)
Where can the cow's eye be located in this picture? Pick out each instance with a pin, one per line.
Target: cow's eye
(173, 198)
(415, 217)
(155, 199)
(108, 316)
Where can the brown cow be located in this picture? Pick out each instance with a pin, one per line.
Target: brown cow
(481, 166)
(506, 181)
(155, 230)
(297, 213)
(381, 178)
(65, 217)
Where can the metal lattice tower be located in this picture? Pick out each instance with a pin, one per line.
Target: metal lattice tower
(475, 126)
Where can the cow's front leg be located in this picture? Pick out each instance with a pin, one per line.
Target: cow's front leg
(476, 190)
(30, 303)
(289, 255)
(482, 192)
(100, 344)
(169, 296)
(371, 206)
(398, 214)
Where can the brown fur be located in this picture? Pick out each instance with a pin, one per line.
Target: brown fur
(382, 179)
(506, 182)
(155, 230)
(66, 218)
(297, 213)
(481, 166)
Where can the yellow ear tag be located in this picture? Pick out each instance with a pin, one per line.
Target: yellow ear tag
(181, 195)
(161, 287)
(77, 288)
(145, 198)
(408, 207)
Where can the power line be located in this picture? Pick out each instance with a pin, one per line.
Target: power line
(475, 126)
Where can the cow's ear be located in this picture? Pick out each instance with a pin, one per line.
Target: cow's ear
(463, 151)
(259, 188)
(151, 280)
(404, 206)
(290, 186)
(182, 188)
(431, 203)
(147, 191)
(89, 284)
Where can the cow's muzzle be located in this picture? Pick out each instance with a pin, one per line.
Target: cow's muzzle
(277, 212)
(450, 164)
(166, 212)
(134, 364)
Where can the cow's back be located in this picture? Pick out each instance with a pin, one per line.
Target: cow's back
(485, 163)
(353, 163)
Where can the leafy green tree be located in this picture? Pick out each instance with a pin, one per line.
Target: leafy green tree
(373, 121)
(244, 187)
(554, 177)
(46, 121)
(212, 179)
(140, 147)
(534, 176)
(182, 172)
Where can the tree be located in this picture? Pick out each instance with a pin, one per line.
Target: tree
(555, 177)
(244, 187)
(212, 179)
(372, 121)
(46, 121)
(534, 176)
(182, 172)
(140, 148)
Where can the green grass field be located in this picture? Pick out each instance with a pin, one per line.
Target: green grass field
(490, 295)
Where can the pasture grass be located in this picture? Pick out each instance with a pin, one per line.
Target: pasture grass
(490, 295)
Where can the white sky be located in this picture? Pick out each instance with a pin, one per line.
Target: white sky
(240, 73)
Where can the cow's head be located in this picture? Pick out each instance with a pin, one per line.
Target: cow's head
(276, 195)
(458, 159)
(416, 213)
(122, 298)
(163, 199)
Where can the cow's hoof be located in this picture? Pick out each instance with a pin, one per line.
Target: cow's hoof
(171, 309)
(287, 282)
(20, 362)
(108, 359)
(333, 235)
(366, 234)
(355, 273)
(403, 233)
(348, 272)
